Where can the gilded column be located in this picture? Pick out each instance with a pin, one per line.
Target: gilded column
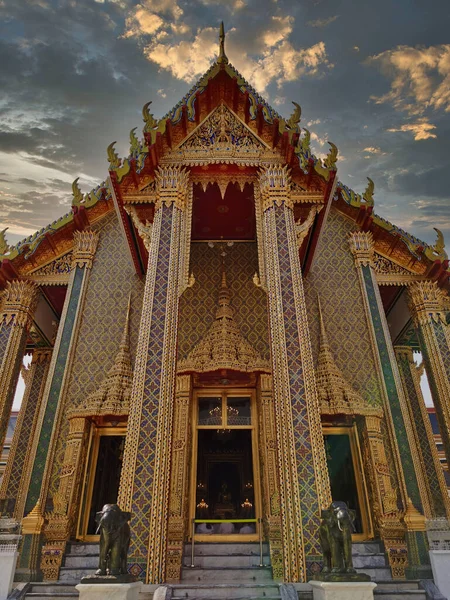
(145, 479)
(436, 488)
(14, 485)
(411, 477)
(425, 301)
(19, 304)
(47, 427)
(304, 483)
(179, 475)
(270, 477)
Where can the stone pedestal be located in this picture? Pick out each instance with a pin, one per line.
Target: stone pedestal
(440, 561)
(8, 561)
(112, 591)
(356, 590)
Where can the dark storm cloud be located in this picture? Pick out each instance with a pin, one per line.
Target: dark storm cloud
(73, 82)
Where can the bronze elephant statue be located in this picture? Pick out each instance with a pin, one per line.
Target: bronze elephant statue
(114, 540)
(336, 538)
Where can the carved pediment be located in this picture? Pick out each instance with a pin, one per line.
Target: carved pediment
(222, 138)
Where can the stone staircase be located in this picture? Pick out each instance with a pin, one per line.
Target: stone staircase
(228, 572)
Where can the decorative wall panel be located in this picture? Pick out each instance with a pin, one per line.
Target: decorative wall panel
(111, 280)
(198, 304)
(334, 278)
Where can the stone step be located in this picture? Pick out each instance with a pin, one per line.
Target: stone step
(376, 573)
(43, 590)
(369, 547)
(89, 561)
(398, 585)
(74, 574)
(81, 548)
(212, 548)
(226, 561)
(361, 561)
(405, 595)
(223, 591)
(223, 575)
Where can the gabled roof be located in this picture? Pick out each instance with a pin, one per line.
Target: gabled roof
(131, 177)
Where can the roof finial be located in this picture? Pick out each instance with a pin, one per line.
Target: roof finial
(222, 60)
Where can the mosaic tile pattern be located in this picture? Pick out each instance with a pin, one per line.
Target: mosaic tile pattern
(198, 304)
(333, 276)
(111, 280)
(25, 433)
(438, 505)
(394, 402)
(145, 463)
(443, 345)
(305, 464)
(53, 397)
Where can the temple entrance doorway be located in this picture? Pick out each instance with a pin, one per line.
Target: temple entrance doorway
(225, 492)
(102, 476)
(347, 476)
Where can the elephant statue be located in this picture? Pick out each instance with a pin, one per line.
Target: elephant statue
(114, 540)
(336, 538)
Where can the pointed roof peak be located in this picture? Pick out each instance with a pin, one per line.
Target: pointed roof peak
(223, 59)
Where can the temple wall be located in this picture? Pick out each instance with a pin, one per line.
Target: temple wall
(101, 327)
(198, 304)
(334, 278)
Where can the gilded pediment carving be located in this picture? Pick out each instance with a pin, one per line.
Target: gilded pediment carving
(222, 138)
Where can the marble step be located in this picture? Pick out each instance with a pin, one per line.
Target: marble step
(43, 590)
(81, 548)
(398, 585)
(74, 574)
(224, 575)
(225, 561)
(400, 595)
(223, 591)
(222, 549)
(361, 561)
(376, 573)
(370, 547)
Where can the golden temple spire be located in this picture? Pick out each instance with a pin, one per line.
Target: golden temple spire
(335, 394)
(223, 59)
(223, 346)
(112, 397)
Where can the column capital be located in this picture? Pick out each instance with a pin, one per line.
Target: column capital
(425, 300)
(172, 186)
(41, 355)
(84, 248)
(275, 186)
(19, 303)
(362, 247)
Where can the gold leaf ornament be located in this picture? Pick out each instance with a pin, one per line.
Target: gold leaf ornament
(331, 157)
(294, 119)
(149, 119)
(76, 193)
(368, 194)
(4, 246)
(113, 157)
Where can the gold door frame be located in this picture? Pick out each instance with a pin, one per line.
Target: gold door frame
(226, 393)
(89, 477)
(360, 480)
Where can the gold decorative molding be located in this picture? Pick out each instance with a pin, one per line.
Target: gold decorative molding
(19, 303)
(275, 186)
(385, 266)
(85, 245)
(414, 520)
(172, 186)
(223, 347)
(426, 301)
(222, 138)
(362, 247)
(33, 522)
(223, 180)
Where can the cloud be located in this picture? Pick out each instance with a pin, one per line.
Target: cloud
(142, 22)
(280, 29)
(420, 77)
(421, 130)
(185, 60)
(322, 22)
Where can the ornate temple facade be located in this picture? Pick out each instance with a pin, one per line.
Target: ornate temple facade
(223, 331)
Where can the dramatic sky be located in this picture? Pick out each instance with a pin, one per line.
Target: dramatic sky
(371, 76)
